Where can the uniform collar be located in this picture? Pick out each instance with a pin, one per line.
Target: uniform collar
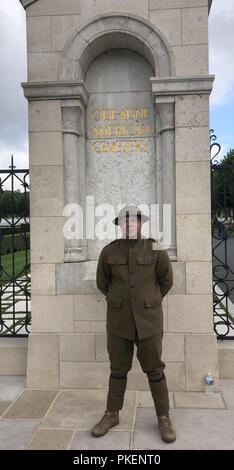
(131, 241)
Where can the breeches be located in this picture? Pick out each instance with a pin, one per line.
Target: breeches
(149, 352)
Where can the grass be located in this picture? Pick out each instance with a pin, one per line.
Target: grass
(6, 262)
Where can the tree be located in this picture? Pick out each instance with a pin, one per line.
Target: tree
(223, 185)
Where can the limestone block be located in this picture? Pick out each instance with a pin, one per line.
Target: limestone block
(43, 233)
(43, 66)
(90, 326)
(63, 28)
(76, 278)
(195, 25)
(137, 379)
(165, 318)
(51, 7)
(226, 359)
(52, 313)
(169, 23)
(166, 4)
(46, 195)
(173, 347)
(191, 60)
(194, 237)
(190, 313)
(98, 7)
(192, 110)
(199, 277)
(69, 69)
(45, 116)
(45, 148)
(193, 187)
(178, 277)
(84, 375)
(77, 347)
(175, 374)
(42, 279)
(101, 352)
(43, 362)
(39, 34)
(13, 356)
(201, 358)
(192, 144)
(90, 307)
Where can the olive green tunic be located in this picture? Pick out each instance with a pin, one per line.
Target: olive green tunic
(134, 277)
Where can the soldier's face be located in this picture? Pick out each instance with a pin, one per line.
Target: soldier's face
(130, 226)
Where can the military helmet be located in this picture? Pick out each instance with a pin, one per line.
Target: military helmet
(128, 211)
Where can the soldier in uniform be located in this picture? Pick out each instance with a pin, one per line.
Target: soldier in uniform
(134, 276)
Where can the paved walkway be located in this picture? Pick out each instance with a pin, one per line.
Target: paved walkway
(62, 419)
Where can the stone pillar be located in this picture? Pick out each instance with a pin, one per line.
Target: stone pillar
(73, 118)
(165, 135)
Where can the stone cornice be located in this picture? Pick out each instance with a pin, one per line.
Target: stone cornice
(34, 91)
(26, 3)
(181, 85)
(209, 5)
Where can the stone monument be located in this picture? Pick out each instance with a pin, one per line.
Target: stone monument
(118, 96)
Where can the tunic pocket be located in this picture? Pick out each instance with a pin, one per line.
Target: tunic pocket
(152, 301)
(148, 259)
(116, 260)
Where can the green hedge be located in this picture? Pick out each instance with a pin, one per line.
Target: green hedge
(19, 243)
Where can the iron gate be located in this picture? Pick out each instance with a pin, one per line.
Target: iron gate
(222, 197)
(15, 278)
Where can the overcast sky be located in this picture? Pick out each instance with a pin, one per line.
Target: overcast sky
(13, 105)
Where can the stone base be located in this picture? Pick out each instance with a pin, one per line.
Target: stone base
(226, 359)
(80, 360)
(13, 356)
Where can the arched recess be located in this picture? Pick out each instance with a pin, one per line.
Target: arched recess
(102, 34)
(115, 31)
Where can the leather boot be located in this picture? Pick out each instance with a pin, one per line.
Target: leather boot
(166, 429)
(110, 419)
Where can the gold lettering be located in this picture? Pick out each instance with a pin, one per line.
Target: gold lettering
(123, 114)
(135, 113)
(99, 114)
(142, 130)
(121, 146)
(110, 114)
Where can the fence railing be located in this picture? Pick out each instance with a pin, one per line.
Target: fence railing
(222, 195)
(15, 277)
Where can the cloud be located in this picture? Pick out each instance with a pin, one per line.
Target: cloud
(221, 41)
(13, 105)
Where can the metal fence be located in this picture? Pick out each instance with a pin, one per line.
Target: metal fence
(222, 195)
(15, 277)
